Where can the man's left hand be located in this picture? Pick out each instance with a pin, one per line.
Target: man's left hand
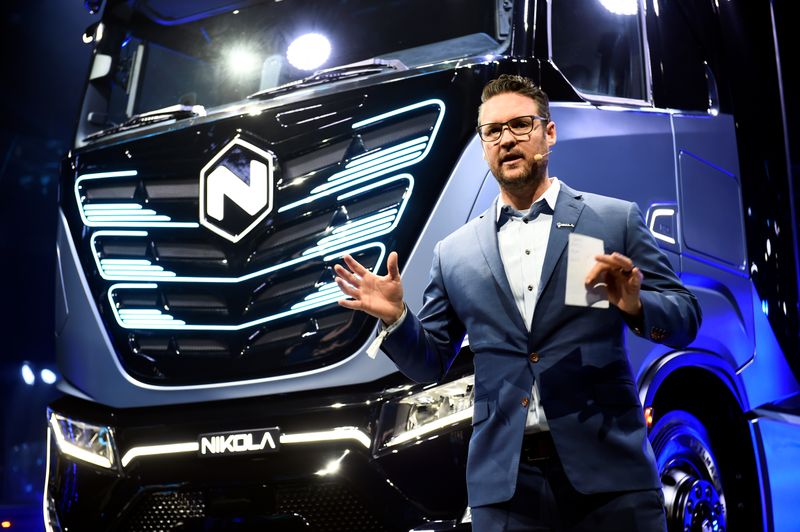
(623, 281)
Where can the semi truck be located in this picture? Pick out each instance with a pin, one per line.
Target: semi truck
(228, 153)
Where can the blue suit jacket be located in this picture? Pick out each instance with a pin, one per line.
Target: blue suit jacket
(584, 375)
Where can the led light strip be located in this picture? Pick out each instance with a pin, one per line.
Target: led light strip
(145, 318)
(371, 226)
(120, 214)
(337, 434)
(380, 162)
(391, 160)
(658, 213)
(403, 148)
(325, 294)
(430, 427)
(125, 212)
(153, 319)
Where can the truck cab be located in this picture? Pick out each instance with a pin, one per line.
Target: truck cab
(228, 154)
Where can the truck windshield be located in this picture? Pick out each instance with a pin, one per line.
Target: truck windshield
(211, 53)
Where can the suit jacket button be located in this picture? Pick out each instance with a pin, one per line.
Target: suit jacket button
(534, 357)
(525, 402)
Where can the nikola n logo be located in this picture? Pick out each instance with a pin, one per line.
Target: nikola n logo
(236, 189)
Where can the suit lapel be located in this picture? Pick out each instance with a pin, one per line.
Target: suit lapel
(486, 230)
(565, 217)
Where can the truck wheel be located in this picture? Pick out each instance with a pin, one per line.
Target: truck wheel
(690, 476)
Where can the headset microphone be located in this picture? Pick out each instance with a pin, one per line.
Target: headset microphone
(539, 156)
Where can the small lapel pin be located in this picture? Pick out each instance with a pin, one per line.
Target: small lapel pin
(560, 225)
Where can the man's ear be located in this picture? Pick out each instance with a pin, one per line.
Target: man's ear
(550, 134)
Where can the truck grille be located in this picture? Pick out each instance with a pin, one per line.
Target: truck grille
(325, 507)
(184, 305)
(162, 511)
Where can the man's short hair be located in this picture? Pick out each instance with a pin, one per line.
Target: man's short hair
(519, 85)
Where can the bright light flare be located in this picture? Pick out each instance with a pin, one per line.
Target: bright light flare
(621, 7)
(332, 467)
(28, 377)
(309, 51)
(242, 61)
(48, 376)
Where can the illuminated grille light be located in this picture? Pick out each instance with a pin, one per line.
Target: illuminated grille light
(390, 158)
(344, 236)
(155, 319)
(325, 294)
(351, 211)
(119, 214)
(144, 318)
(358, 231)
(97, 213)
(378, 163)
(124, 268)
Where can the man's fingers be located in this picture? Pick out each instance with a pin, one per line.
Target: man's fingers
(355, 266)
(594, 274)
(391, 266)
(352, 304)
(348, 289)
(636, 276)
(346, 275)
(616, 260)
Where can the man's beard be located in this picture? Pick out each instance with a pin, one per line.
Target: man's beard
(530, 179)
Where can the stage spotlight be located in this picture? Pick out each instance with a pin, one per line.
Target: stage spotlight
(621, 7)
(242, 60)
(309, 51)
(47, 376)
(27, 374)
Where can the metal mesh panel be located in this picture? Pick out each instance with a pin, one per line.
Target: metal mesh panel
(329, 508)
(160, 512)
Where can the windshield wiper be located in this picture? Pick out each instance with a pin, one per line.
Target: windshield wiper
(352, 70)
(173, 112)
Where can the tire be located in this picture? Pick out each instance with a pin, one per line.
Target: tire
(690, 474)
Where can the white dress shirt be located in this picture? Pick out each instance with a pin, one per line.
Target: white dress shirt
(523, 245)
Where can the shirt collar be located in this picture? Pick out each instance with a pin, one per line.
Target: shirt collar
(550, 196)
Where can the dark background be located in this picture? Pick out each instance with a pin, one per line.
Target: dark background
(45, 63)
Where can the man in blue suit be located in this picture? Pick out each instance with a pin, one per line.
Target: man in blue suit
(559, 439)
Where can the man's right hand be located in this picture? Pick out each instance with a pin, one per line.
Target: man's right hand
(379, 296)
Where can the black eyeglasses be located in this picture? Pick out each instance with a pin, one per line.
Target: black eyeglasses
(521, 125)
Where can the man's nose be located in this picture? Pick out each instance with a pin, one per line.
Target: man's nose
(507, 139)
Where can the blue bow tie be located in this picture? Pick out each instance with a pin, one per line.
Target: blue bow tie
(507, 213)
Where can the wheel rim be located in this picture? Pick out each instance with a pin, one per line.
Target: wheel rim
(693, 494)
(693, 504)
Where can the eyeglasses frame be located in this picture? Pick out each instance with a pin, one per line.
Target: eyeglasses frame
(505, 125)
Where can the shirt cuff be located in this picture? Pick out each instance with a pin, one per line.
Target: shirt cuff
(389, 329)
(385, 331)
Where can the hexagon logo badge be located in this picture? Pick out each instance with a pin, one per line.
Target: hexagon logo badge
(236, 188)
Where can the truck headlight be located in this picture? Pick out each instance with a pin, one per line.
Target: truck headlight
(83, 441)
(425, 413)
